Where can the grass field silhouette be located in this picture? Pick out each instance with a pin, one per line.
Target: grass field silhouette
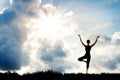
(52, 75)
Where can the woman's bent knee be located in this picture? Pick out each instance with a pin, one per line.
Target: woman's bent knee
(79, 59)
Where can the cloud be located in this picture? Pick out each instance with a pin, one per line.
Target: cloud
(103, 26)
(52, 52)
(7, 16)
(4, 4)
(112, 63)
(116, 38)
(54, 55)
(11, 40)
(107, 54)
(10, 55)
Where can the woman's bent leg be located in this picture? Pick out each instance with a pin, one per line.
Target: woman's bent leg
(81, 58)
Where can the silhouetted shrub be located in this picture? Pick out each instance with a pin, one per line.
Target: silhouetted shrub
(53, 75)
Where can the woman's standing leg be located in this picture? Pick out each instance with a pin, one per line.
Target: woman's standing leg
(87, 63)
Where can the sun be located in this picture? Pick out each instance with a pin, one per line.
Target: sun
(51, 25)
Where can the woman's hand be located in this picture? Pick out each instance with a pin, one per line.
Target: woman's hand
(98, 36)
(78, 35)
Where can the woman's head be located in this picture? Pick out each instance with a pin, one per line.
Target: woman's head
(88, 41)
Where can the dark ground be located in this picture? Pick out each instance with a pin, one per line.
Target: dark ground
(51, 75)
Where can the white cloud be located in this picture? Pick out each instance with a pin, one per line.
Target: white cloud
(103, 26)
(116, 36)
(106, 55)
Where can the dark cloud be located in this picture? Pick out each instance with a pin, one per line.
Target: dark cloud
(11, 40)
(9, 44)
(53, 56)
(117, 41)
(27, 0)
(10, 55)
(108, 62)
(52, 53)
(105, 39)
(113, 62)
(7, 16)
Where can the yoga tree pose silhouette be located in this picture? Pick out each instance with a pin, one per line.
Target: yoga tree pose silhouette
(87, 55)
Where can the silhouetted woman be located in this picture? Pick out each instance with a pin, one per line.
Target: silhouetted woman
(87, 54)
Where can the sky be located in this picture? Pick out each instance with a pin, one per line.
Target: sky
(41, 35)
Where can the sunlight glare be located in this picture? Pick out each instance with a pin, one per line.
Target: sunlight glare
(50, 25)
